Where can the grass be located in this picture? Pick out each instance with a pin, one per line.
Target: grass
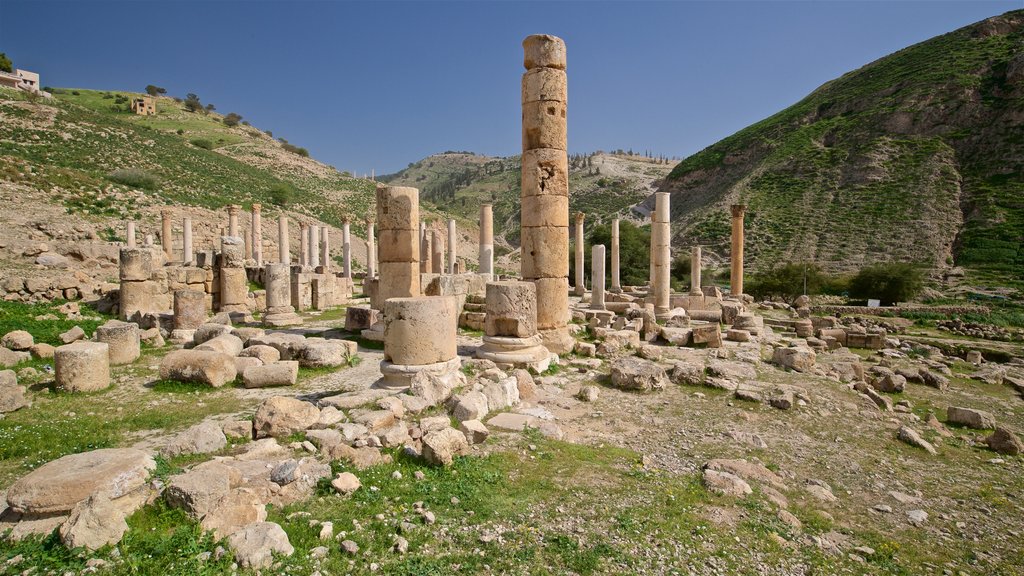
(22, 316)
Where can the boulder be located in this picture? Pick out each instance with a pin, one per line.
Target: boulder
(971, 418)
(266, 354)
(442, 446)
(632, 373)
(277, 374)
(201, 366)
(234, 511)
(885, 380)
(225, 344)
(322, 353)
(470, 405)
(200, 489)
(281, 416)
(203, 438)
(12, 396)
(42, 351)
(1004, 441)
(17, 340)
(94, 523)
(346, 483)
(501, 395)
(725, 483)
(209, 331)
(255, 544)
(433, 388)
(9, 358)
(73, 335)
(57, 486)
(910, 436)
(795, 358)
(474, 430)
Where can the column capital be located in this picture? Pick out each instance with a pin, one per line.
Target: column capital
(233, 209)
(165, 212)
(257, 207)
(579, 217)
(738, 210)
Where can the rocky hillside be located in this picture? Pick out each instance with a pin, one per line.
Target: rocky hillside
(918, 156)
(600, 184)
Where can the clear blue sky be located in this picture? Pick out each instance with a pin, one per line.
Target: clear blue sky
(380, 84)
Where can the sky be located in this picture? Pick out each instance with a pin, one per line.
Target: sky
(378, 85)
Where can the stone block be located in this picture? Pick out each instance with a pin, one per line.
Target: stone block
(511, 309)
(122, 339)
(82, 366)
(420, 331)
(545, 173)
(277, 374)
(543, 51)
(544, 84)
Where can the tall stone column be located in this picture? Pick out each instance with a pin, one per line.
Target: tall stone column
(166, 235)
(736, 277)
(597, 279)
(279, 297)
(284, 255)
(247, 239)
(130, 234)
(545, 187)
(616, 283)
(371, 249)
(486, 239)
(426, 253)
(314, 245)
(303, 244)
(325, 249)
(188, 256)
(581, 287)
(695, 266)
(654, 243)
(233, 220)
(257, 234)
(398, 213)
(234, 286)
(436, 253)
(346, 249)
(451, 246)
(662, 254)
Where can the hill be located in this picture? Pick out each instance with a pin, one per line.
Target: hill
(918, 156)
(601, 185)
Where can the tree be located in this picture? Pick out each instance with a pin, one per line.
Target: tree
(192, 103)
(5, 63)
(787, 281)
(634, 253)
(210, 107)
(891, 283)
(155, 90)
(232, 119)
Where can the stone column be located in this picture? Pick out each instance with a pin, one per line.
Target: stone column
(188, 256)
(284, 255)
(135, 271)
(130, 234)
(486, 240)
(451, 246)
(398, 213)
(426, 262)
(325, 249)
(189, 314)
(303, 244)
(616, 284)
(581, 287)
(545, 187)
(695, 264)
(436, 253)
(736, 277)
(654, 242)
(233, 220)
(234, 285)
(257, 234)
(597, 278)
(279, 297)
(510, 327)
(662, 253)
(166, 235)
(371, 249)
(247, 239)
(314, 245)
(419, 337)
(346, 249)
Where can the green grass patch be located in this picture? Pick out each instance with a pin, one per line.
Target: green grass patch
(22, 316)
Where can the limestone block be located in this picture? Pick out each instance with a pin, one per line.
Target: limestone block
(795, 357)
(546, 210)
(281, 416)
(276, 374)
(837, 333)
(552, 301)
(545, 173)
(242, 363)
(545, 251)
(225, 344)
(266, 354)
(232, 252)
(511, 309)
(122, 338)
(544, 125)
(234, 286)
(398, 280)
(544, 84)
(971, 418)
(357, 319)
(139, 297)
(398, 245)
(201, 366)
(708, 334)
(189, 310)
(136, 264)
(420, 330)
(543, 51)
(17, 340)
(322, 353)
(209, 331)
(398, 208)
(82, 366)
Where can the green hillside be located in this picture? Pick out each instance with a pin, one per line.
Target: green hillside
(918, 156)
(91, 153)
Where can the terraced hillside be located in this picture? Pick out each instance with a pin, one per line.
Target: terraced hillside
(918, 156)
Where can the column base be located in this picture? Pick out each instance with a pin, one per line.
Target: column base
(282, 316)
(511, 352)
(400, 376)
(557, 340)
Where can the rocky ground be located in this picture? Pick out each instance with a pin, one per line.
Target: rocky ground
(725, 464)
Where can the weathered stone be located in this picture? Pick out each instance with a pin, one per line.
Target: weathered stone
(57, 486)
(17, 340)
(470, 405)
(201, 366)
(688, 373)
(632, 373)
(885, 380)
(122, 339)
(73, 335)
(225, 344)
(1004, 441)
(255, 544)
(795, 358)
(203, 438)
(971, 418)
(94, 523)
(910, 436)
(42, 351)
(200, 489)
(281, 416)
(235, 510)
(266, 354)
(277, 374)
(323, 353)
(346, 483)
(441, 446)
(726, 483)
(474, 430)
(82, 366)
(501, 395)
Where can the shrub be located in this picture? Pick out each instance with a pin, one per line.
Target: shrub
(232, 119)
(282, 194)
(155, 90)
(192, 103)
(5, 63)
(295, 149)
(202, 143)
(891, 282)
(180, 131)
(787, 281)
(134, 178)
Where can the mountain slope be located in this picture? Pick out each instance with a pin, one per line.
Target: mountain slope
(918, 156)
